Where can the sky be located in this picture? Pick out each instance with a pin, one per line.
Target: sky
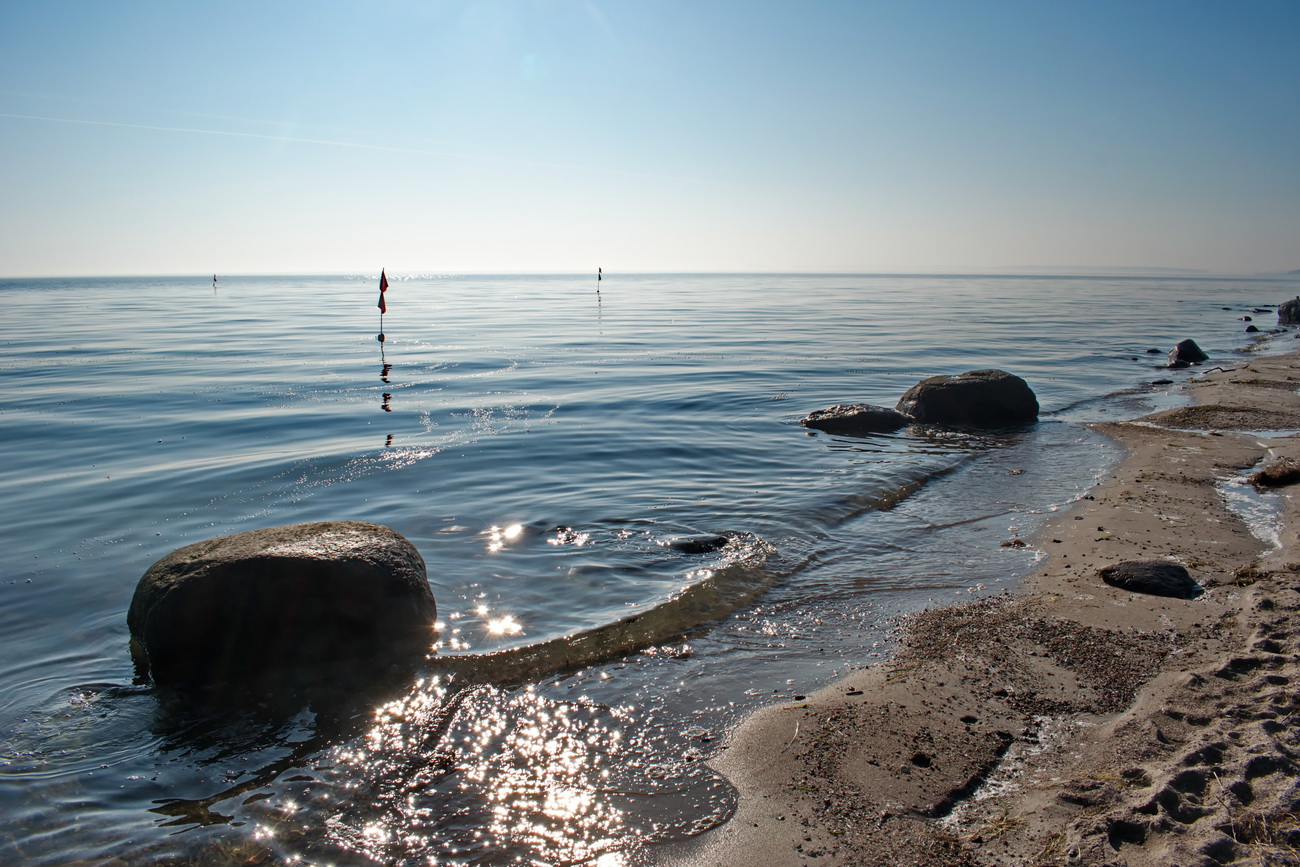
(558, 136)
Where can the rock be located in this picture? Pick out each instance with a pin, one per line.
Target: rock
(855, 419)
(1153, 577)
(977, 398)
(281, 601)
(1186, 353)
(699, 543)
(1288, 312)
(1247, 319)
(1284, 471)
(1251, 329)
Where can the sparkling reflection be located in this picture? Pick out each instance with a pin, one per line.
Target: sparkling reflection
(504, 625)
(569, 536)
(484, 775)
(499, 537)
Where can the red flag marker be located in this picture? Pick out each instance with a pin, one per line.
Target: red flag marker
(383, 287)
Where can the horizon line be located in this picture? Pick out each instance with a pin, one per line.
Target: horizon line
(1006, 271)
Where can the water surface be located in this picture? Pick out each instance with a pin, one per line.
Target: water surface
(542, 444)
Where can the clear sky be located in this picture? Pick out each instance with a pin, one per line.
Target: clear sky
(445, 136)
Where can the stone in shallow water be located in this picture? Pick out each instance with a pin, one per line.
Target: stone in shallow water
(1153, 577)
(976, 398)
(855, 419)
(299, 599)
(1186, 352)
(698, 543)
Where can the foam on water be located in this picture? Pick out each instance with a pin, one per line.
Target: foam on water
(1260, 510)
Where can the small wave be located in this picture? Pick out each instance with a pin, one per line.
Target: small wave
(897, 487)
(49, 742)
(715, 592)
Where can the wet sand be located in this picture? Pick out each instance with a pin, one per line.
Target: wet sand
(1070, 722)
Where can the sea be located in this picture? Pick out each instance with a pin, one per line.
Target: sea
(632, 540)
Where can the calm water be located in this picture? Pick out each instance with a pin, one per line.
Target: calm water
(540, 443)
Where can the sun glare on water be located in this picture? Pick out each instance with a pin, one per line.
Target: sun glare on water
(499, 537)
(534, 773)
(504, 625)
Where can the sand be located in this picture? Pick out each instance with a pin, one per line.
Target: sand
(1070, 722)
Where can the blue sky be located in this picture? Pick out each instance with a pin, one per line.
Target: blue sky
(648, 135)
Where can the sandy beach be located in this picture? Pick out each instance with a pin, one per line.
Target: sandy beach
(1070, 722)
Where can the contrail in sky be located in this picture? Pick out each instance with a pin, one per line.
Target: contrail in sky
(341, 144)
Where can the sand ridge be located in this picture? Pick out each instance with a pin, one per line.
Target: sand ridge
(1069, 722)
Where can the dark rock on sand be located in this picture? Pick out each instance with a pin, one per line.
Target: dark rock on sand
(855, 419)
(1186, 353)
(1282, 472)
(976, 398)
(282, 601)
(1153, 577)
(1288, 312)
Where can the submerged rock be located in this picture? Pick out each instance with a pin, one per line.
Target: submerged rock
(697, 543)
(282, 601)
(1186, 353)
(976, 398)
(856, 419)
(1153, 577)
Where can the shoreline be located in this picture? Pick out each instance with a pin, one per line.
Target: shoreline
(1068, 722)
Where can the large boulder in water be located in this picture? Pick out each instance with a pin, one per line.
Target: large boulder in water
(1288, 312)
(281, 601)
(976, 398)
(855, 419)
(1186, 353)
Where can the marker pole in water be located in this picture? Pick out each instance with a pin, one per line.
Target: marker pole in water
(383, 308)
